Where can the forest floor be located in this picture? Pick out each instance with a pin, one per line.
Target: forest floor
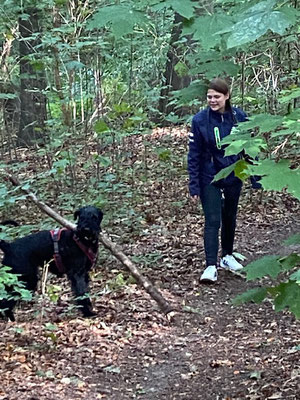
(131, 350)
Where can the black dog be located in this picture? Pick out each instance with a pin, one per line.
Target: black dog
(74, 253)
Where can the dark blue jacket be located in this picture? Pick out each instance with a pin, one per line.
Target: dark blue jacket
(205, 159)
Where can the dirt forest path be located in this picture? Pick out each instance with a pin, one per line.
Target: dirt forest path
(131, 351)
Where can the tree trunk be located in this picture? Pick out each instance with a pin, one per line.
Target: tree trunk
(65, 108)
(33, 101)
(172, 81)
(10, 106)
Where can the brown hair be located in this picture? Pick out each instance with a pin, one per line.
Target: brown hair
(221, 86)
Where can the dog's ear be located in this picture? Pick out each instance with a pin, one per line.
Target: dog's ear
(76, 214)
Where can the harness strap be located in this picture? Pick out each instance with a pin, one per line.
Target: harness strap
(91, 255)
(55, 234)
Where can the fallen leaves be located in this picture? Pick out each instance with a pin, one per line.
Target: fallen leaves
(131, 350)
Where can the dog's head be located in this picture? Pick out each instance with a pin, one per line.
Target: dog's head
(89, 223)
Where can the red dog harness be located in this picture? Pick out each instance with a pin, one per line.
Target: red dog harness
(91, 255)
(55, 234)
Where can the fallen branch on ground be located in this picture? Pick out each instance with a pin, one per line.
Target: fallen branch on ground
(164, 305)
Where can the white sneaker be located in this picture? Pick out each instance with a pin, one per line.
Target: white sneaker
(229, 262)
(209, 275)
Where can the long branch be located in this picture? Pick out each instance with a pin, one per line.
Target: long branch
(164, 305)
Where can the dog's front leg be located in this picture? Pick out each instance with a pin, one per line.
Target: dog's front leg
(80, 288)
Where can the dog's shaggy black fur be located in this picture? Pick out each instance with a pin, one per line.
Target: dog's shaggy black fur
(27, 254)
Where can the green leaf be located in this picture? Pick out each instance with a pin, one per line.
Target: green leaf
(267, 265)
(296, 276)
(277, 176)
(294, 239)
(181, 69)
(173, 118)
(240, 169)
(206, 29)
(100, 126)
(265, 123)
(122, 19)
(76, 65)
(283, 132)
(50, 327)
(225, 172)
(288, 95)
(290, 261)
(102, 160)
(113, 369)
(195, 90)
(164, 154)
(257, 295)
(8, 96)
(256, 21)
(213, 68)
(251, 145)
(255, 374)
(288, 296)
(184, 8)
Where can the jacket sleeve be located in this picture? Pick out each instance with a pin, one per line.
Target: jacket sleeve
(194, 158)
(244, 116)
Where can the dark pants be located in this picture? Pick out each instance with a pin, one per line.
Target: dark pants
(219, 206)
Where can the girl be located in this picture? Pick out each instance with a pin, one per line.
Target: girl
(206, 157)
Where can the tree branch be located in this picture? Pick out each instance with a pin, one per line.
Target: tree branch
(164, 305)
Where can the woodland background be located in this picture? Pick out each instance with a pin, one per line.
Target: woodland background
(95, 99)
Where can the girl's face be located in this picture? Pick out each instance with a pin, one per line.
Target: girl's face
(216, 100)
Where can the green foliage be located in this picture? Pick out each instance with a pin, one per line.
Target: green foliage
(268, 265)
(285, 294)
(104, 73)
(244, 142)
(117, 283)
(121, 18)
(206, 29)
(188, 95)
(16, 288)
(290, 94)
(256, 21)
(149, 259)
(6, 96)
(53, 292)
(225, 171)
(100, 127)
(249, 138)
(278, 176)
(181, 69)
(257, 295)
(163, 154)
(184, 8)
(295, 239)
(7, 197)
(50, 332)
